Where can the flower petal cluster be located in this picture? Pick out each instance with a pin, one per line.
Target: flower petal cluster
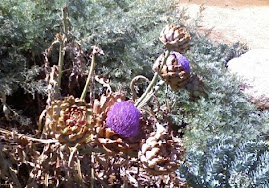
(124, 119)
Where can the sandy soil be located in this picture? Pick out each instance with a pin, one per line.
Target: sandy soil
(246, 21)
(228, 3)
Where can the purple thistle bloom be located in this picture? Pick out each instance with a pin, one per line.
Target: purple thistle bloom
(182, 61)
(123, 118)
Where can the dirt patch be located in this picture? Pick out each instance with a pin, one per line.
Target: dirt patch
(228, 3)
(244, 21)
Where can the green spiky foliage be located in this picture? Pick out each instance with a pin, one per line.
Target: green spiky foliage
(226, 163)
(24, 35)
(26, 29)
(125, 30)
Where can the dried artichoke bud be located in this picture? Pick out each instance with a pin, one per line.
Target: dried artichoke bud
(176, 71)
(175, 38)
(196, 88)
(69, 120)
(114, 143)
(161, 154)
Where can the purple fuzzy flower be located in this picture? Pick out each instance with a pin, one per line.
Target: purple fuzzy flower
(181, 60)
(123, 118)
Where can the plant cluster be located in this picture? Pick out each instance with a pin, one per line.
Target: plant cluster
(106, 128)
(192, 128)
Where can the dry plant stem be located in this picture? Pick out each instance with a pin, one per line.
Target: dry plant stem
(89, 150)
(83, 95)
(61, 39)
(152, 83)
(40, 126)
(92, 171)
(79, 173)
(65, 14)
(46, 180)
(151, 94)
(73, 151)
(43, 141)
(61, 59)
(6, 109)
(132, 84)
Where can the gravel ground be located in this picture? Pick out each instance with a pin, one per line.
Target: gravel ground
(232, 21)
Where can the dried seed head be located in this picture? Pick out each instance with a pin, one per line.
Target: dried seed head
(164, 156)
(175, 38)
(69, 120)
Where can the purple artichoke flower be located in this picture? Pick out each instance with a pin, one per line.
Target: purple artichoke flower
(123, 118)
(182, 61)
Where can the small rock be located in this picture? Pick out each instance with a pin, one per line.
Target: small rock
(253, 71)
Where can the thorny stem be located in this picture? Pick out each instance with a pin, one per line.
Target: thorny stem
(83, 95)
(152, 83)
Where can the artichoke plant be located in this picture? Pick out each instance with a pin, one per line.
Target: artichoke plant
(161, 154)
(102, 105)
(175, 38)
(123, 118)
(69, 120)
(176, 71)
(118, 124)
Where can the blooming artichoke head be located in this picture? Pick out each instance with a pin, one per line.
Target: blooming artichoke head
(175, 71)
(181, 60)
(123, 118)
